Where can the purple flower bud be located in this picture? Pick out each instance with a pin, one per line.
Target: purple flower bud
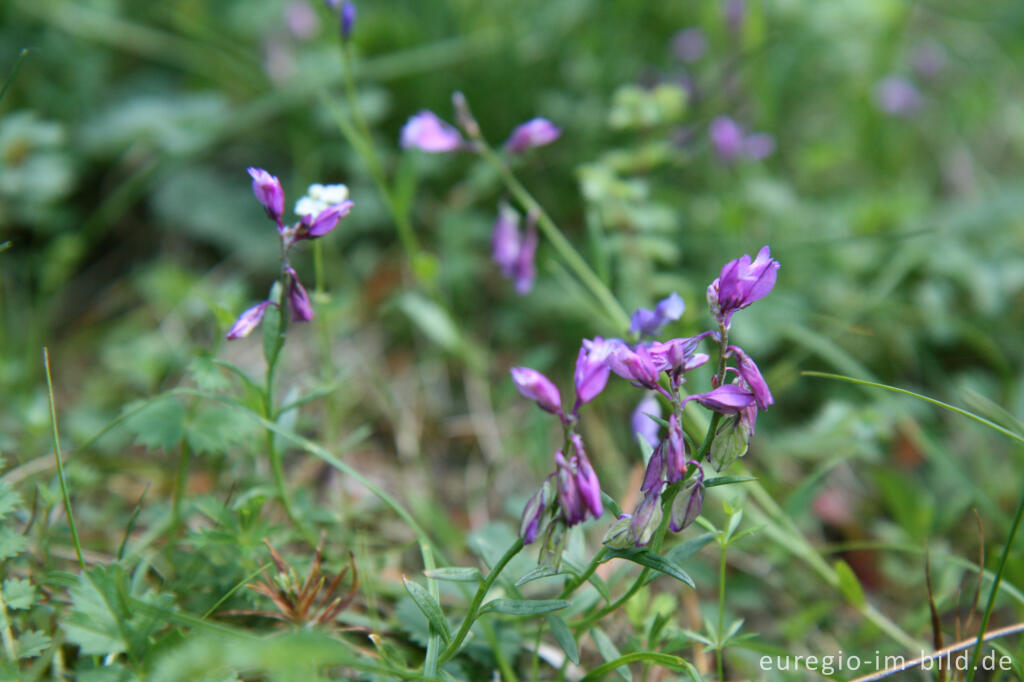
(570, 497)
(535, 386)
(533, 513)
(689, 45)
(726, 137)
(635, 365)
(688, 503)
(647, 517)
(654, 474)
(248, 321)
(348, 19)
(675, 451)
(298, 299)
(726, 399)
(536, 132)
(758, 146)
(592, 371)
(525, 268)
(267, 189)
(650, 322)
(325, 221)
(586, 478)
(897, 96)
(751, 376)
(427, 132)
(643, 425)
(506, 241)
(741, 283)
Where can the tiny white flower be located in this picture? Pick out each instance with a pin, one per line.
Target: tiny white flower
(308, 206)
(333, 194)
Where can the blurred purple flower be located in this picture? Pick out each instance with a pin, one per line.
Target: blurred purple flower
(897, 96)
(427, 132)
(758, 146)
(751, 376)
(536, 132)
(333, 5)
(741, 283)
(301, 20)
(726, 137)
(248, 321)
(537, 387)
(586, 478)
(650, 322)
(689, 45)
(735, 13)
(726, 399)
(929, 59)
(348, 19)
(642, 424)
(506, 240)
(298, 299)
(267, 189)
(525, 268)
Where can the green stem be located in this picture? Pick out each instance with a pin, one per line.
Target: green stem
(719, 653)
(184, 456)
(572, 585)
(554, 235)
(478, 599)
(990, 604)
(5, 630)
(60, 464)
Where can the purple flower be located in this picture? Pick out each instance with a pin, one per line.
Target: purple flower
(586, 478)
(686, 508)
(635, 365)
(751, 376)
(248, 321)
(897, 96)
(537, 387)
(267, 189)
(677, 355)
(525, 270)
(325, 221)
(650, 322)
(592, 371)
(647, 517)
(298, 299)
(506, 240)
(642, 424)
(741, 283)
(675, 451)
(654, 474)
(536, 132)
(727, 137)
(689, 45)
(758, 146)
(570, 497)
(726, 399)
(348, 19)
(333, 5)
(427, 132)
(533, 513)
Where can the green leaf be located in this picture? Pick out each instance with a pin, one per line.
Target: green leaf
(460, 574)
(688, 548)
(429, 607)
(434, 321)
(563, 635)
(523, 607)
(32, 643)
(538, 573)
(9, 499)
(848, 583)
(609, 652)
(647, 558)
(727, 480)
(215, 429)
(11, 543)
(159, 425)
(19, 593)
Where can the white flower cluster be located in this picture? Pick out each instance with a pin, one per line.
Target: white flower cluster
(318, 197)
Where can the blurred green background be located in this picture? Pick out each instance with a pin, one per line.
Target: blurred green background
(894, 200)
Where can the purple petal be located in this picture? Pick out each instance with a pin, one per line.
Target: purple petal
(506, 240)
(267, 189)
(642, 424)
(525, 267)
(726, 137)
(427, 132)
(248, 320)
(727, 399)
(536, 132)
(298, 299)
(537, 387)
(328, 219)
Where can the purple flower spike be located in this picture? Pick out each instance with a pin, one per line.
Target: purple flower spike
(506, 240)
(726, 137)
(298, 299)
(326, 220)
(248, 321)
(592, 371)
(348, 19)
(427, 132)
(586, 479)
(741, 283)
(642, 424)
(536, 132)
(267, 189)
(675, 451)
(525, 266)
(751, 376)
(727, 399)
(650, 322)
(537, 387)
